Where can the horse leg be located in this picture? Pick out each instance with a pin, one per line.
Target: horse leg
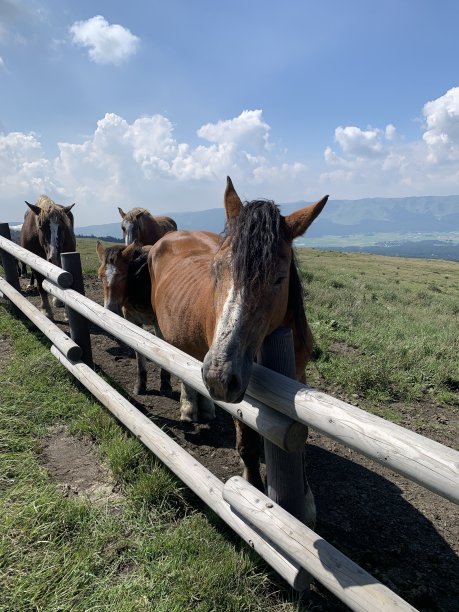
(206, 408)
(188, 403)
(165, 375)
(248, 447)
(166, 386)
(32, 279)
(140, 386)
(44, 305)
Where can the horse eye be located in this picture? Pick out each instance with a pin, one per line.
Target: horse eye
(279, 281)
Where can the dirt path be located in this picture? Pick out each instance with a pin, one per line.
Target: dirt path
(401, 533)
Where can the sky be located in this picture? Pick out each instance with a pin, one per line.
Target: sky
(153, 103)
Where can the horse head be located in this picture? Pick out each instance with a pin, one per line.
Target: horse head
(132, 223)
(114, 273)
(54, 225)
(251, 273)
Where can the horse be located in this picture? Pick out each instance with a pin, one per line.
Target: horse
(138, 224)
(216, 297)
(127, 289)
(48, 231)
(15, 233)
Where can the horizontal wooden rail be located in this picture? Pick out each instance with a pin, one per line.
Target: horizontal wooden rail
(65, 344)
(283, 431)
(349, 582)
(420, 459)
(48, 270)
(198, 478)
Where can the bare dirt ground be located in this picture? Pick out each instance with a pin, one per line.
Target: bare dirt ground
(401, 533)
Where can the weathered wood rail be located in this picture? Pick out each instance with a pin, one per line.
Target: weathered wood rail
(280, 409)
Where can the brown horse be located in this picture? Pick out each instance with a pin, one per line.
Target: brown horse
(217, 298)
(138, 224)
(127, 291)
(47, 231)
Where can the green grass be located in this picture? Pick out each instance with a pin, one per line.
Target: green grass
(155, 548)
(385, 328)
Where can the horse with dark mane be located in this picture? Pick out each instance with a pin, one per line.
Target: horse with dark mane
(48, 231)
(138, 224)
(127, 291)
(217, 298)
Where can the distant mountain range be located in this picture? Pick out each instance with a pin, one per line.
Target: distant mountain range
(427, 214)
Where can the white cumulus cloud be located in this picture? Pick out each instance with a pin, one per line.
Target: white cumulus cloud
(442, 123)
(248, 129)
(144, 164)
(378, 161)
(107, 43)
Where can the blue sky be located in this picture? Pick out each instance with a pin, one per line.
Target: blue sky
(153, 103)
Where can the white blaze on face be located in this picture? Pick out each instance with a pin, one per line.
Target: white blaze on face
(110, 273)
(129, 228)
(227, 325)
(54, 240)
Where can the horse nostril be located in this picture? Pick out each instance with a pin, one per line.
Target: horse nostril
(234, 384)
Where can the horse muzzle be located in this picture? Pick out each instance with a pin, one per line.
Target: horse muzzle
(113, 307)
(224, 382)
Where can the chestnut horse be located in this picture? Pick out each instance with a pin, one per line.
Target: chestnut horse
(48, 231)
(124, 274)
(138, 224)
(217, 298)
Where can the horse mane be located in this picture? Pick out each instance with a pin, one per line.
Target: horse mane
(256, 234)
(139, 215)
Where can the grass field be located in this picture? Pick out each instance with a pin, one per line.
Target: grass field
(385, 327)
(386, 335)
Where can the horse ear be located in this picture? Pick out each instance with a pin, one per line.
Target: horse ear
(299, 221)
(122, 213)
(129, 250)
(232, 201)
(34, 208)
(100, 251)
(67, 209)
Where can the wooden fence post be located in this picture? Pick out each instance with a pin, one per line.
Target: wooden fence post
(10, 264)
(79, 328)
(284, 470)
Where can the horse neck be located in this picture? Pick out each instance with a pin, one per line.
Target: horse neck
(138, 282)
(151, 231)
(69, 240)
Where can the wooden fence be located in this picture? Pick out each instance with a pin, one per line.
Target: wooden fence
(276, 406)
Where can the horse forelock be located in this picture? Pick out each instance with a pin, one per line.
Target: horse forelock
(256, 236)
(49, 210)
